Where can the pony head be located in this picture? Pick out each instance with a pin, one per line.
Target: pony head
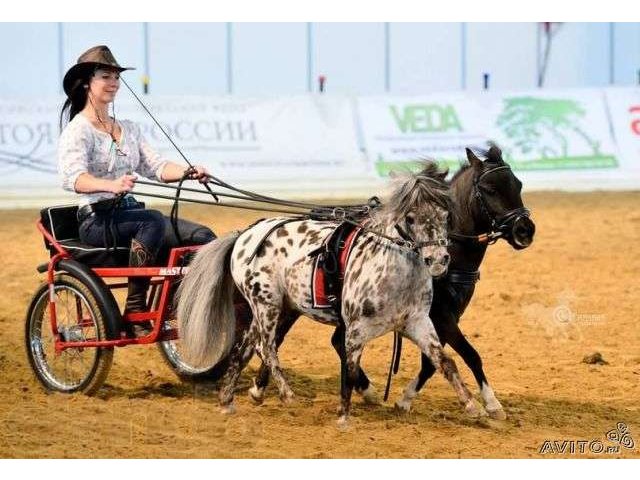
(421, 207)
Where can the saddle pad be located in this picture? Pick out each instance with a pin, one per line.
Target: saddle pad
(318, 291)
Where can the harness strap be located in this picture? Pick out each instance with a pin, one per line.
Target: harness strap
(260, 244)
(110, 228)
(174, 216)
(463, 277)
(489, 238)
(394, 365)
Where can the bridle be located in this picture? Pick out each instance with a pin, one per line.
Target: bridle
(406, 240)
(501, 226)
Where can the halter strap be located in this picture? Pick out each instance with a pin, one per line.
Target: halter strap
(497, 224)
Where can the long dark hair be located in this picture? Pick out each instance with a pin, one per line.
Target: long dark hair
(77, 98)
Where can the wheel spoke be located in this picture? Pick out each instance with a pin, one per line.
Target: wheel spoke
(73, 367)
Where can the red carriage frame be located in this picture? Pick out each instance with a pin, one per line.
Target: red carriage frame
(158, 315)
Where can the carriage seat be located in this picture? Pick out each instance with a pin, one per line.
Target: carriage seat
(62, 222)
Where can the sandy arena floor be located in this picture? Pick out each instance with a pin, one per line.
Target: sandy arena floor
(585, 261)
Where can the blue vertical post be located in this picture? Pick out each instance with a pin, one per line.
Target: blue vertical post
(463, 56)
(60, 54)
(309, 57)
(538, 52)
(229, 58)
(612, 53)
(485, 81)
(147, 74)
(387, 57)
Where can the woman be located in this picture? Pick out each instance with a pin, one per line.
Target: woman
(98, 157)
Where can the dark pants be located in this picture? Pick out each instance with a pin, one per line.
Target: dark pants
(149, 227)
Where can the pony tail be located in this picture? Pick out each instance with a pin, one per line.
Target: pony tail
(206, 313)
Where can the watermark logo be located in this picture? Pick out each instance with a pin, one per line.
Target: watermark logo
(561, 322)
(616, 439)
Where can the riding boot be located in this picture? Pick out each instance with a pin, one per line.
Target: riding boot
(139, 256)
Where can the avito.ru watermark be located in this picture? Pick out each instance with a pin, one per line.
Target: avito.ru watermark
(619, 437)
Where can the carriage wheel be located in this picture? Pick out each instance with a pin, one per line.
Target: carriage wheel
(79, 319)
(173, 357)
(171, 353)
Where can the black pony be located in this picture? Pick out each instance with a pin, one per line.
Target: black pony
(487, 206)
(486, 196)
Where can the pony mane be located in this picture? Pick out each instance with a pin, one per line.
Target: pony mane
(493, 156)
(464, 166)
(414, 189)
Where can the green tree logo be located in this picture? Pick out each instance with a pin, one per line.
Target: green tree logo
(544, 125)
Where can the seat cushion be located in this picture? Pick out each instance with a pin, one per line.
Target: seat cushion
(96, 256)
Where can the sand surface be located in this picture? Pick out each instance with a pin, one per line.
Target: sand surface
(585, 260)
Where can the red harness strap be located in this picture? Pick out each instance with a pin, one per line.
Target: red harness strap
(318, 293)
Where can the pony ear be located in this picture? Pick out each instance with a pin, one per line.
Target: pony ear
(475, 162)
(494, 154)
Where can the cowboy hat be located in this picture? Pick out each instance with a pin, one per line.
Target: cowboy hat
(95, 57)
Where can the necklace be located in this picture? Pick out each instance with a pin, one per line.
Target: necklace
(107, 130)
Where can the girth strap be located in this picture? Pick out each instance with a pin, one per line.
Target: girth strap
(464, 277)
(332, 260)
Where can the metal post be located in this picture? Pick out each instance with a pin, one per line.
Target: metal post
(146, 74)
(229, 58)
(309, 57)
(463, 56)
(60, 53)
(612, 53)
(387, 57)
(538, 48)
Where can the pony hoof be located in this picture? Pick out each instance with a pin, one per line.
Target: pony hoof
(403, 406)
(498, 414)
(288, 399)
(228, 409)
(343, 422)
(474, 409)
(369, 396)
(256, 395)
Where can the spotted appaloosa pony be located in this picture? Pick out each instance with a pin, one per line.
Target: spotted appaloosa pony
(487, 201)
(387, 286)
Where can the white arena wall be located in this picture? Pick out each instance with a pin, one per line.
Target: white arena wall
(342, 146)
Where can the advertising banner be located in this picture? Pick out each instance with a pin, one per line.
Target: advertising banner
(554, 130)
(330, 146)
(550, 130)
(246, 140)
(399, 131)
(624, 109)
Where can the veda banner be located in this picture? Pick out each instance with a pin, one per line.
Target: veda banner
(553, 130)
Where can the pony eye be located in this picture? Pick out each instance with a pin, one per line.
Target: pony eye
(411, 220)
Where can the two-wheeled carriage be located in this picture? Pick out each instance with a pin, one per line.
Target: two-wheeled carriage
(74, 321)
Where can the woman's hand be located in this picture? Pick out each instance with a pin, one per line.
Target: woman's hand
(173, 172)
(199, 173)
(123, 184)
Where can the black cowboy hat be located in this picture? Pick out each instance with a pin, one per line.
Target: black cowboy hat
(96, 57)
